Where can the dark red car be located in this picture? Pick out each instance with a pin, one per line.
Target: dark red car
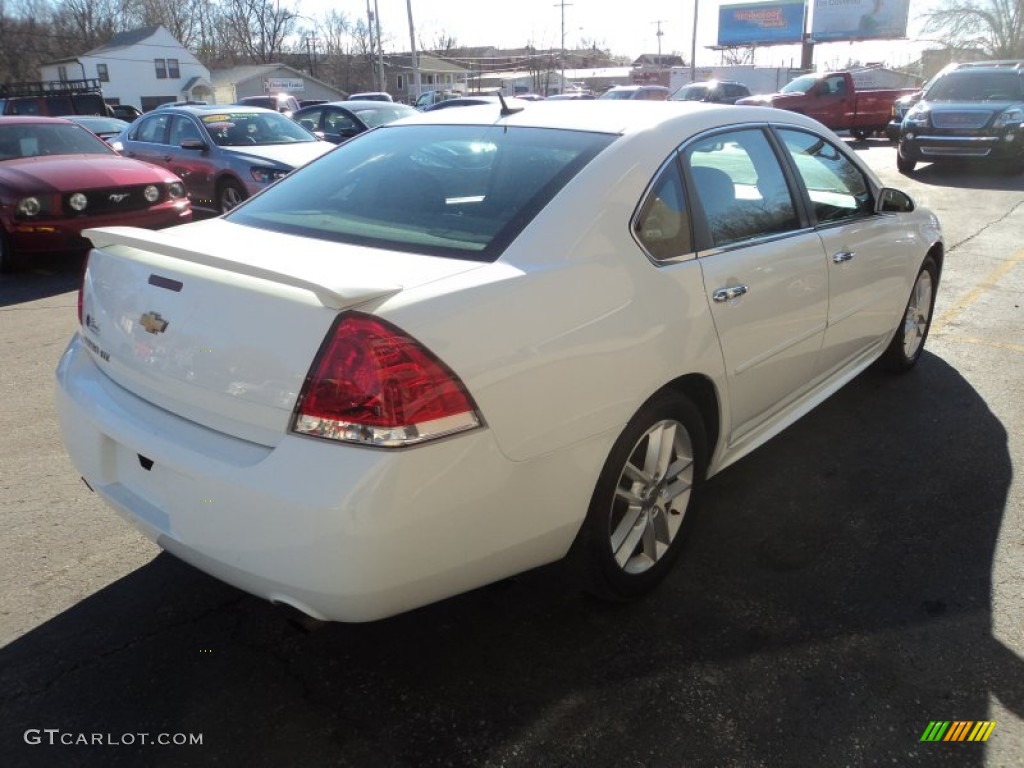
(57, 178)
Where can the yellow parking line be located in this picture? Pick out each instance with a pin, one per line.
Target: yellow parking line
(987, 283)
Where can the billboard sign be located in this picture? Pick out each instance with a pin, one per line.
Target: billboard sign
(859, 20)
(761, 23)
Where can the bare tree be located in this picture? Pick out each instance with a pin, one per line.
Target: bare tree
(441, 45)
(257, 28)
(994, 26)
(738, 54)
(184, 19)
(90, 23)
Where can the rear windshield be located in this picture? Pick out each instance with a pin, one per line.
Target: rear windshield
(457, 191)
(692, 93)
(385, 113)
(966, 85)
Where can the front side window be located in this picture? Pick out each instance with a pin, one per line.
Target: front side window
(740, 186)
(837, 188)
(457, 191)
(161, 68)
(663, 224)
(836, 86)
(310, 119)
(183, 129)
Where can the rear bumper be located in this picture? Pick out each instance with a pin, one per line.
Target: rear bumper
(340, 532)
(60, 235)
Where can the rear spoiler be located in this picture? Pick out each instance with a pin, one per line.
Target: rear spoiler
(158, 243)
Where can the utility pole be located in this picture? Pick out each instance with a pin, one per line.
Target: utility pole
(311, 53)
(693, 47)
(415, 58)
(372, 20)
(659, 33)
(562, 4)
(380, 50)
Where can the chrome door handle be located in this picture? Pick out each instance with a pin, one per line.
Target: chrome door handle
(842, 256)
(732, 292)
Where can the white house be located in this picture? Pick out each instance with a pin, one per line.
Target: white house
(143, 67)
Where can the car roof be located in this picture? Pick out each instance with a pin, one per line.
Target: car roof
(993, 63)
(706, 83)
(986, 68)
(611, 116)
(351, 104)
(203, 109)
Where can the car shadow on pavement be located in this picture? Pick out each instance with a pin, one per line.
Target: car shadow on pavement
(834, 597)
(47, 275)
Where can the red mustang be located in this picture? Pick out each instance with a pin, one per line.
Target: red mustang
(57, 178)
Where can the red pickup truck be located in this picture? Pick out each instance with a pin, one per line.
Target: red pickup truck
(834, 99)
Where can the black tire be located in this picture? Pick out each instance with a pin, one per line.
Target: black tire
(9, 260)
(229, 194)
(903, 165)
(907, 344)
(624, 549)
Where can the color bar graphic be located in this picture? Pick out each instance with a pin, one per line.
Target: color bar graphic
(958, 730)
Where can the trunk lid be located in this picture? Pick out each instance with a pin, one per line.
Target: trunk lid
(219, 323)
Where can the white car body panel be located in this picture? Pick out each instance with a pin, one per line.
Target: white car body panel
(770, 336)
(559, 342)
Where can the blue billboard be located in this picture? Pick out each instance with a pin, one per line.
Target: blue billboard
(761, 23)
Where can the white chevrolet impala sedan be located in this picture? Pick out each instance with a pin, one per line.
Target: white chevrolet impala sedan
(483, 339)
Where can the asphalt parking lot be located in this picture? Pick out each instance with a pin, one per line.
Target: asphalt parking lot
(855, 579)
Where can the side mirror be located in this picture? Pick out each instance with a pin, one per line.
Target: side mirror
(198, 144)
(893, 201)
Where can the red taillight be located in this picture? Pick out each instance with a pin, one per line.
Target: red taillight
(81, 287)
(373, 384)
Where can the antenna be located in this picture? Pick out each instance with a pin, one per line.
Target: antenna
(505, 108)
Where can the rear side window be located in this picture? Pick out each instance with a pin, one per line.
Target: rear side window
(663, 224)
(458, 191)
(739, 183)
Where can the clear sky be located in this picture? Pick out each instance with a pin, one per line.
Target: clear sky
(626, 28)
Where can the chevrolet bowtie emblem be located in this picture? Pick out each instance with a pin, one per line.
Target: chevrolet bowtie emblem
(153, 323)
